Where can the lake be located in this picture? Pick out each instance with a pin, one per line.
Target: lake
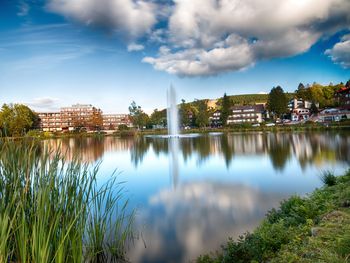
(191, 194)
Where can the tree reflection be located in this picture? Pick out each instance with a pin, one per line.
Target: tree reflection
(306, 148)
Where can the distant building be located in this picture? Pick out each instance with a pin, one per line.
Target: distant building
(50, 121)
(215, 119)
(334, 114)
(112, 121)
(300, 114)
(82, 116)
(300, 103)
(246, 114)
(342, 96)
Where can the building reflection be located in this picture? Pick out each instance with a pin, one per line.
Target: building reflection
(306, 148)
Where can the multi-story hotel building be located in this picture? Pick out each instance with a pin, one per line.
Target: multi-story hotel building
(246, 114)
(81, 116)
(112, 121)
(50, 121)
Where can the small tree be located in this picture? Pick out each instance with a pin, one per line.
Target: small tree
(17, 119)
(138, 117)
(202, 117)
(313, 109)
(225, 109)
(277, 102)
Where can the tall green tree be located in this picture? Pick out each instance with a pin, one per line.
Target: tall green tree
(202, 116)
(17, 119)
(158, 117)
(138, 117)
(225, 109)
(185, 112)
(277, 102)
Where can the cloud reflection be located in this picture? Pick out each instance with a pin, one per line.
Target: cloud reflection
(182, 223)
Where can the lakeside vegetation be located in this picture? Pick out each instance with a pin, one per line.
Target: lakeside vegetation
(53, 210)
(315, 228)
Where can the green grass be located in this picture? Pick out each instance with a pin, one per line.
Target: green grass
(311, 229)
(52, 210)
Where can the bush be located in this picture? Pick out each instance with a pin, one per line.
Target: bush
(328, 178)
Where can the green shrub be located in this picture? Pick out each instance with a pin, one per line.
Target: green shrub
(328, 178)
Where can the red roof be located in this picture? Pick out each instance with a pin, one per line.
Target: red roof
(343, 89)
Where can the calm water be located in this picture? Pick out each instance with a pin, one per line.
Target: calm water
(191, 194)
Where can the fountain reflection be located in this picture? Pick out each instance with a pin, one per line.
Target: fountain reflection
(307, 148)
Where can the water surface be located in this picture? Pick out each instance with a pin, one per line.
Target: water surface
(191, 194)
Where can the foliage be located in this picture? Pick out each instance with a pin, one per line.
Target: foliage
(277, 101)
(202, 116)
(186, 110)
(138, 117)
(328, 178)
(16, 119)
(54, 211)
(158, 118)
(96, 120)
(123, 127)
(225, 109)
(311, 229)
(317, 93)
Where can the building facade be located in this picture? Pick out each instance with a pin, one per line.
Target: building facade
(50, 121)
(246, 114)
(78, 116)
(81, 116)
(300, 114)
(342, 96)
(112, 121)
(215, 119)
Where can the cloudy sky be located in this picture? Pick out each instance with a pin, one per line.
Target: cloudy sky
(55, 53)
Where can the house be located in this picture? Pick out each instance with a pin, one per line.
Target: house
(246, 114)
(342, 96)
(215, 119)
(300, 114)
(300, 103)
(112, 121)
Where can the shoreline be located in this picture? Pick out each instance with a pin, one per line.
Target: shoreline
(315, 228)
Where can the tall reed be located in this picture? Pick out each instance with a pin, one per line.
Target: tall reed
(52, 210)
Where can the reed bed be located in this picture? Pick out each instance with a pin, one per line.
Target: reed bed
(53, 210)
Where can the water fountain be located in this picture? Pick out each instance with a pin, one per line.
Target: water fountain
(172, 113)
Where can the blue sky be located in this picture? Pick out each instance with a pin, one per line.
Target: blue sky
(110, 52)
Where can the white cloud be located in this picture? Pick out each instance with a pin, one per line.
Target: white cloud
(128, 17)
(43, 103)
(208, 37)
(340, 53)
(135, 47)
(200, 31)
(23, 9)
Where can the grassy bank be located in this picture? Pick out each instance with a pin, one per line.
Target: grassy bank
(54, 211)
(311, 229)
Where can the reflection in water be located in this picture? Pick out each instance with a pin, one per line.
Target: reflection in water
(313, 149)
(174, 159)
(188, 221)
(221, 185)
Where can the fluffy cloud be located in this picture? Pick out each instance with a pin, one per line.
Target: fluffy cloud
(340, 53)
(135, 47)
(128, 17)
(208, 37)
(44, 103)
(200, 32)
